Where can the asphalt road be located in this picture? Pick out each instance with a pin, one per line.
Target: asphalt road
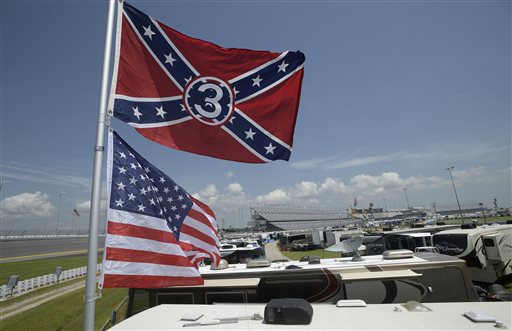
(23, 250)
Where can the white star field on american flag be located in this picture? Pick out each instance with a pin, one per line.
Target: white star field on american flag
(139, 187)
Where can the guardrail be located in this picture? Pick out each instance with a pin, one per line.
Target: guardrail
(44, 236)
(36, 282)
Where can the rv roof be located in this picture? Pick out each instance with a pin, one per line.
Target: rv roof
(340, 263)
(437, 316)
(479, 230)
(418, 234)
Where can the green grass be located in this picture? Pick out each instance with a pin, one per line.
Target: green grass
(40, 267)
(38, 292)
(66, 312)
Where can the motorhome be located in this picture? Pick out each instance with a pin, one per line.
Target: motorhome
(486, 249)
(394, 277)
(409, 240)
(241, 250)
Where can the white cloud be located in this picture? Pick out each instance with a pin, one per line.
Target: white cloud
(209, 191)
(333, 185)
(374, 185)
(230, 199)
(229, 174)
(45, 176)
(470, 175)
(305, 189)
(235, 188)
(435, 152)
(27, 206)
(85, 206)
(362, 161)
(309, 164)
(275, 197)
(334, 192)
(367, 182)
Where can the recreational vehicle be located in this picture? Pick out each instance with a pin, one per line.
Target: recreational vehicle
(241, 250)
(394, 277)
(486, 249)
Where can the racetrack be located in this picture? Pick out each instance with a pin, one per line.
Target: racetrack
(30, 249)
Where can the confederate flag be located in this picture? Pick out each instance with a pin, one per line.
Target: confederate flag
(195, 96)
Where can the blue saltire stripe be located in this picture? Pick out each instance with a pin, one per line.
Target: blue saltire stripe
(124, 109)
(242, 128)
(180, 70)
(266, 75)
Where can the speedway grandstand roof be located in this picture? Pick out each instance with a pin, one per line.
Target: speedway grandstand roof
(294, 218)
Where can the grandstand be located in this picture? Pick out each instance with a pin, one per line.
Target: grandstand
(287, 218)
(278, 217)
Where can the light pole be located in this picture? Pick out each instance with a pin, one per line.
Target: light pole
(385, 206)
(406, 197)
(483, 214)
(450, 168)
(58, 211)
(2, 182)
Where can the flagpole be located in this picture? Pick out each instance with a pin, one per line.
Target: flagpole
(92, 256)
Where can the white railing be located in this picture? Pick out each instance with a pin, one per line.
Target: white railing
(43, 236)
(36, 282)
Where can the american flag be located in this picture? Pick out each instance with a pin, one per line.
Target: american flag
(195, 96)
(157, 233)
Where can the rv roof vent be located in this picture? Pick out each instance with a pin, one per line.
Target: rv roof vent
(258, 263)
(468, 226)
(397, 254)
(223, 264)
(314, 260)
(293, 266)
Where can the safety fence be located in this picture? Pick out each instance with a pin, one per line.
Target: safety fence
(117, 315)
(10, 236)
(14, 288)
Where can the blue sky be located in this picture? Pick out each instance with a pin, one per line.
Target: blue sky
(393, 93)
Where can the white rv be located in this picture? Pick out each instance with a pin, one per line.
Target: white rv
(486, 249)
(394, 277)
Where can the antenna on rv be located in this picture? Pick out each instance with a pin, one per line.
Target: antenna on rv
(350, 245)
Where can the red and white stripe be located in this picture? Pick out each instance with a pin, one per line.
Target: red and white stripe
(141, 252)
(198, 233)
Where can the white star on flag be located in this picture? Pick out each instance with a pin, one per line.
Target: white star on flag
(256, 81)
(148, 32)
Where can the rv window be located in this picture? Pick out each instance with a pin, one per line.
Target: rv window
(139, 301)
(213, 297)
(418, 242)
(488, 242)
(428, 241)
(174, 298)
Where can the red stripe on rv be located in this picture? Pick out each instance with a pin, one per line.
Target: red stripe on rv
(137, 281)
(333, 286)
